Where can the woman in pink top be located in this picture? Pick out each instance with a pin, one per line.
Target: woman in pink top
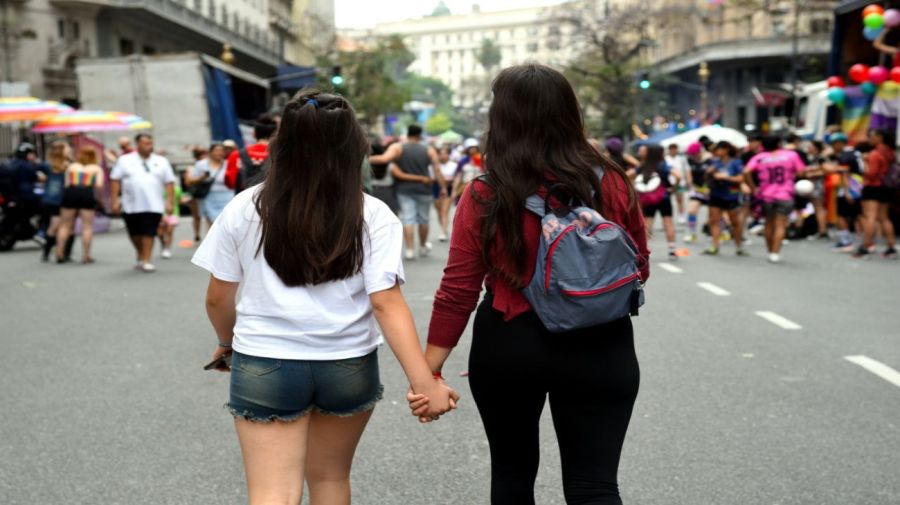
(776, 170)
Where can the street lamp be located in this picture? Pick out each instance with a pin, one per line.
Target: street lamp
(703, 74)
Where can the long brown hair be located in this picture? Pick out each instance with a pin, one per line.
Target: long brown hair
(535, 128)
(87, 155)
(311, 203)
(57, 156)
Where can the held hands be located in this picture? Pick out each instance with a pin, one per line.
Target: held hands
(432, 401)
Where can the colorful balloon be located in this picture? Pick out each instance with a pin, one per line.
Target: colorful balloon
(836, 81)
(868, 88)
(891, 18)
(871, 34)
(895, 74)
(859, 73)
(874, 21)
(878, 75)
(872, 9)
(837, 95)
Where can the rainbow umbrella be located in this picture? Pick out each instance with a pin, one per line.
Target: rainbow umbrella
(91, 121)
(16, 109)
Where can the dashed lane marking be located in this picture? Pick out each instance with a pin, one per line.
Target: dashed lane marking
(712, 288)
(668, 267)
(876, 367)
(777, 320)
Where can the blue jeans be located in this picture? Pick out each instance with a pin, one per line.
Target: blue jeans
(268, 389)
(415, 208)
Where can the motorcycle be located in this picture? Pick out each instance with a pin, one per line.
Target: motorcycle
(17, 222)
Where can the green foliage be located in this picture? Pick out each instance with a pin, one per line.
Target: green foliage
(438, 124)
(489, 55)
(429, 89)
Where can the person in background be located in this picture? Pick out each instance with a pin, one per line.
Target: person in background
(167, 225)
(230, 146)
(793, 142)
(654, 189)
(414, 165)
(847, 162)
(590, 375)
(28, 172)
(142, 177)
(199, 153)
(210, 171)
(84, 180)
(698, 187)
(876, 197)
(726, 176)
(679, 167)
(615, 149)
(470, 166)
(303, 335)
(443, 201)
(776, 169)
(382, 181)
(816, 172)
(58, 160)
(246, 167)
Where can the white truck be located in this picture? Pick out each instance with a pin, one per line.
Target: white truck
(190, 98)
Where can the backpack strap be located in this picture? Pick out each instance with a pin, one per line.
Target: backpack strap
(246, 161)
(535, 204)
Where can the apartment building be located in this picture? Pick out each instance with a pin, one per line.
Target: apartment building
(42, 39)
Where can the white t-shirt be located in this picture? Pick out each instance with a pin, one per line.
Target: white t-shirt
(329, 321)
(449, 170)
(202, 167)
(143, 182)
(678, 165)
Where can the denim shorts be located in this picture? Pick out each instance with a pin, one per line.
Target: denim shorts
(268, 389)
(415, 208)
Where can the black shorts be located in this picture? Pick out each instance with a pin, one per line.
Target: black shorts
(664, 207)
(721, 203)
(79, 197)
(142, 224)
(848, 210)
(783, 207)
(878, 193)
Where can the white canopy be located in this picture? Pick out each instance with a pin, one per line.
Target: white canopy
(714, 132)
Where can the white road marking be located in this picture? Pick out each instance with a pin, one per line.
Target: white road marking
(876, 367)
(668, 267)
(777, 320)
(712, 288)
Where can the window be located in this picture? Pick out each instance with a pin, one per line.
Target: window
(198, 5)
(237, 22)
(149, 50)
(532, 47)
(820, 26)
(224, 15)
(212, 9)
(76, 30)
(61, 28)
(126, 47)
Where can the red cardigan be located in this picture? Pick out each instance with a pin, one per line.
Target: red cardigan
(465, 273)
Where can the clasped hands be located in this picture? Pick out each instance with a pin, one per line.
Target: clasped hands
(432, 400)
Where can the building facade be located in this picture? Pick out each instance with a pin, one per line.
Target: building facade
(314, 21)
(42, 39)
(447, 46)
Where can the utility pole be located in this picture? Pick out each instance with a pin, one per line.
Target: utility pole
(7, 49)
(795, 52)
(703, 74)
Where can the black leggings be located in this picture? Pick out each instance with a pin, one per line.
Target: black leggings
(592, 378)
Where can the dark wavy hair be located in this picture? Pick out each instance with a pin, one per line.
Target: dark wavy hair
(652, 160)
(535, 130)
(311, 204)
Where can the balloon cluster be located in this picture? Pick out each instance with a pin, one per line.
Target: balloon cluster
(875, 19)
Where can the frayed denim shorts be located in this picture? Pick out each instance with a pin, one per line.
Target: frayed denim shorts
(268, 389)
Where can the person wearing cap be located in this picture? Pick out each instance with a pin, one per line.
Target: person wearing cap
(468, 168)
(28, 172)
(230, 147)
(847, 162)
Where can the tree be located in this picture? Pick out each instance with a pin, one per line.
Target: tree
(489, 55)
(438, 124)
(371, 78)
(429, 89)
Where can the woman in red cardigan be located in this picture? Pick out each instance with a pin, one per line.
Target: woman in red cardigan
(591, 375)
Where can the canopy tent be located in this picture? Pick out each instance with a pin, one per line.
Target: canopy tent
(656, 138)
(450, 137)
(80, 121)
(714, 132)
(16, 109)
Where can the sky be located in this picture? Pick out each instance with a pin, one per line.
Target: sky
(365, 13)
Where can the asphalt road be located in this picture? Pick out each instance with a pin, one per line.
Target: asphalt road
(104, 400)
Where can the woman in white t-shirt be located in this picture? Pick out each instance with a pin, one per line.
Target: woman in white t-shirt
(442, 204)
(317, 263)
(211, 171)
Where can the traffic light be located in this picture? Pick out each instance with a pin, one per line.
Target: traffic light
(336, 78)
(644, 83)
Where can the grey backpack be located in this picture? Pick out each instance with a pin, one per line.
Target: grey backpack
(587, 268)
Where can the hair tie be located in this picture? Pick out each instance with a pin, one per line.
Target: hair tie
(313, 101)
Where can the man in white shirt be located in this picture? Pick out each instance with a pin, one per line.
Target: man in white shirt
(144, 178)
(678, 165)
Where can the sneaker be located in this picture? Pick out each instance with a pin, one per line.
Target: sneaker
(849, 248)
(442, 238)
(889, 254)
(711, 251)
(774, 258)
(410, 254)
(672, 256)
(725, 236)
(742, 252)
(690, 238)
(166, 254)
(861, 252)
(139, 265)
(148, 268)
(682, 220)
(426, 249)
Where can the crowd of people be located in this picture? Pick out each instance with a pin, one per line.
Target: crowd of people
(780, 188)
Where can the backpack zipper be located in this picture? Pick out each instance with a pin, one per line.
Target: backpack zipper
(599, 291)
